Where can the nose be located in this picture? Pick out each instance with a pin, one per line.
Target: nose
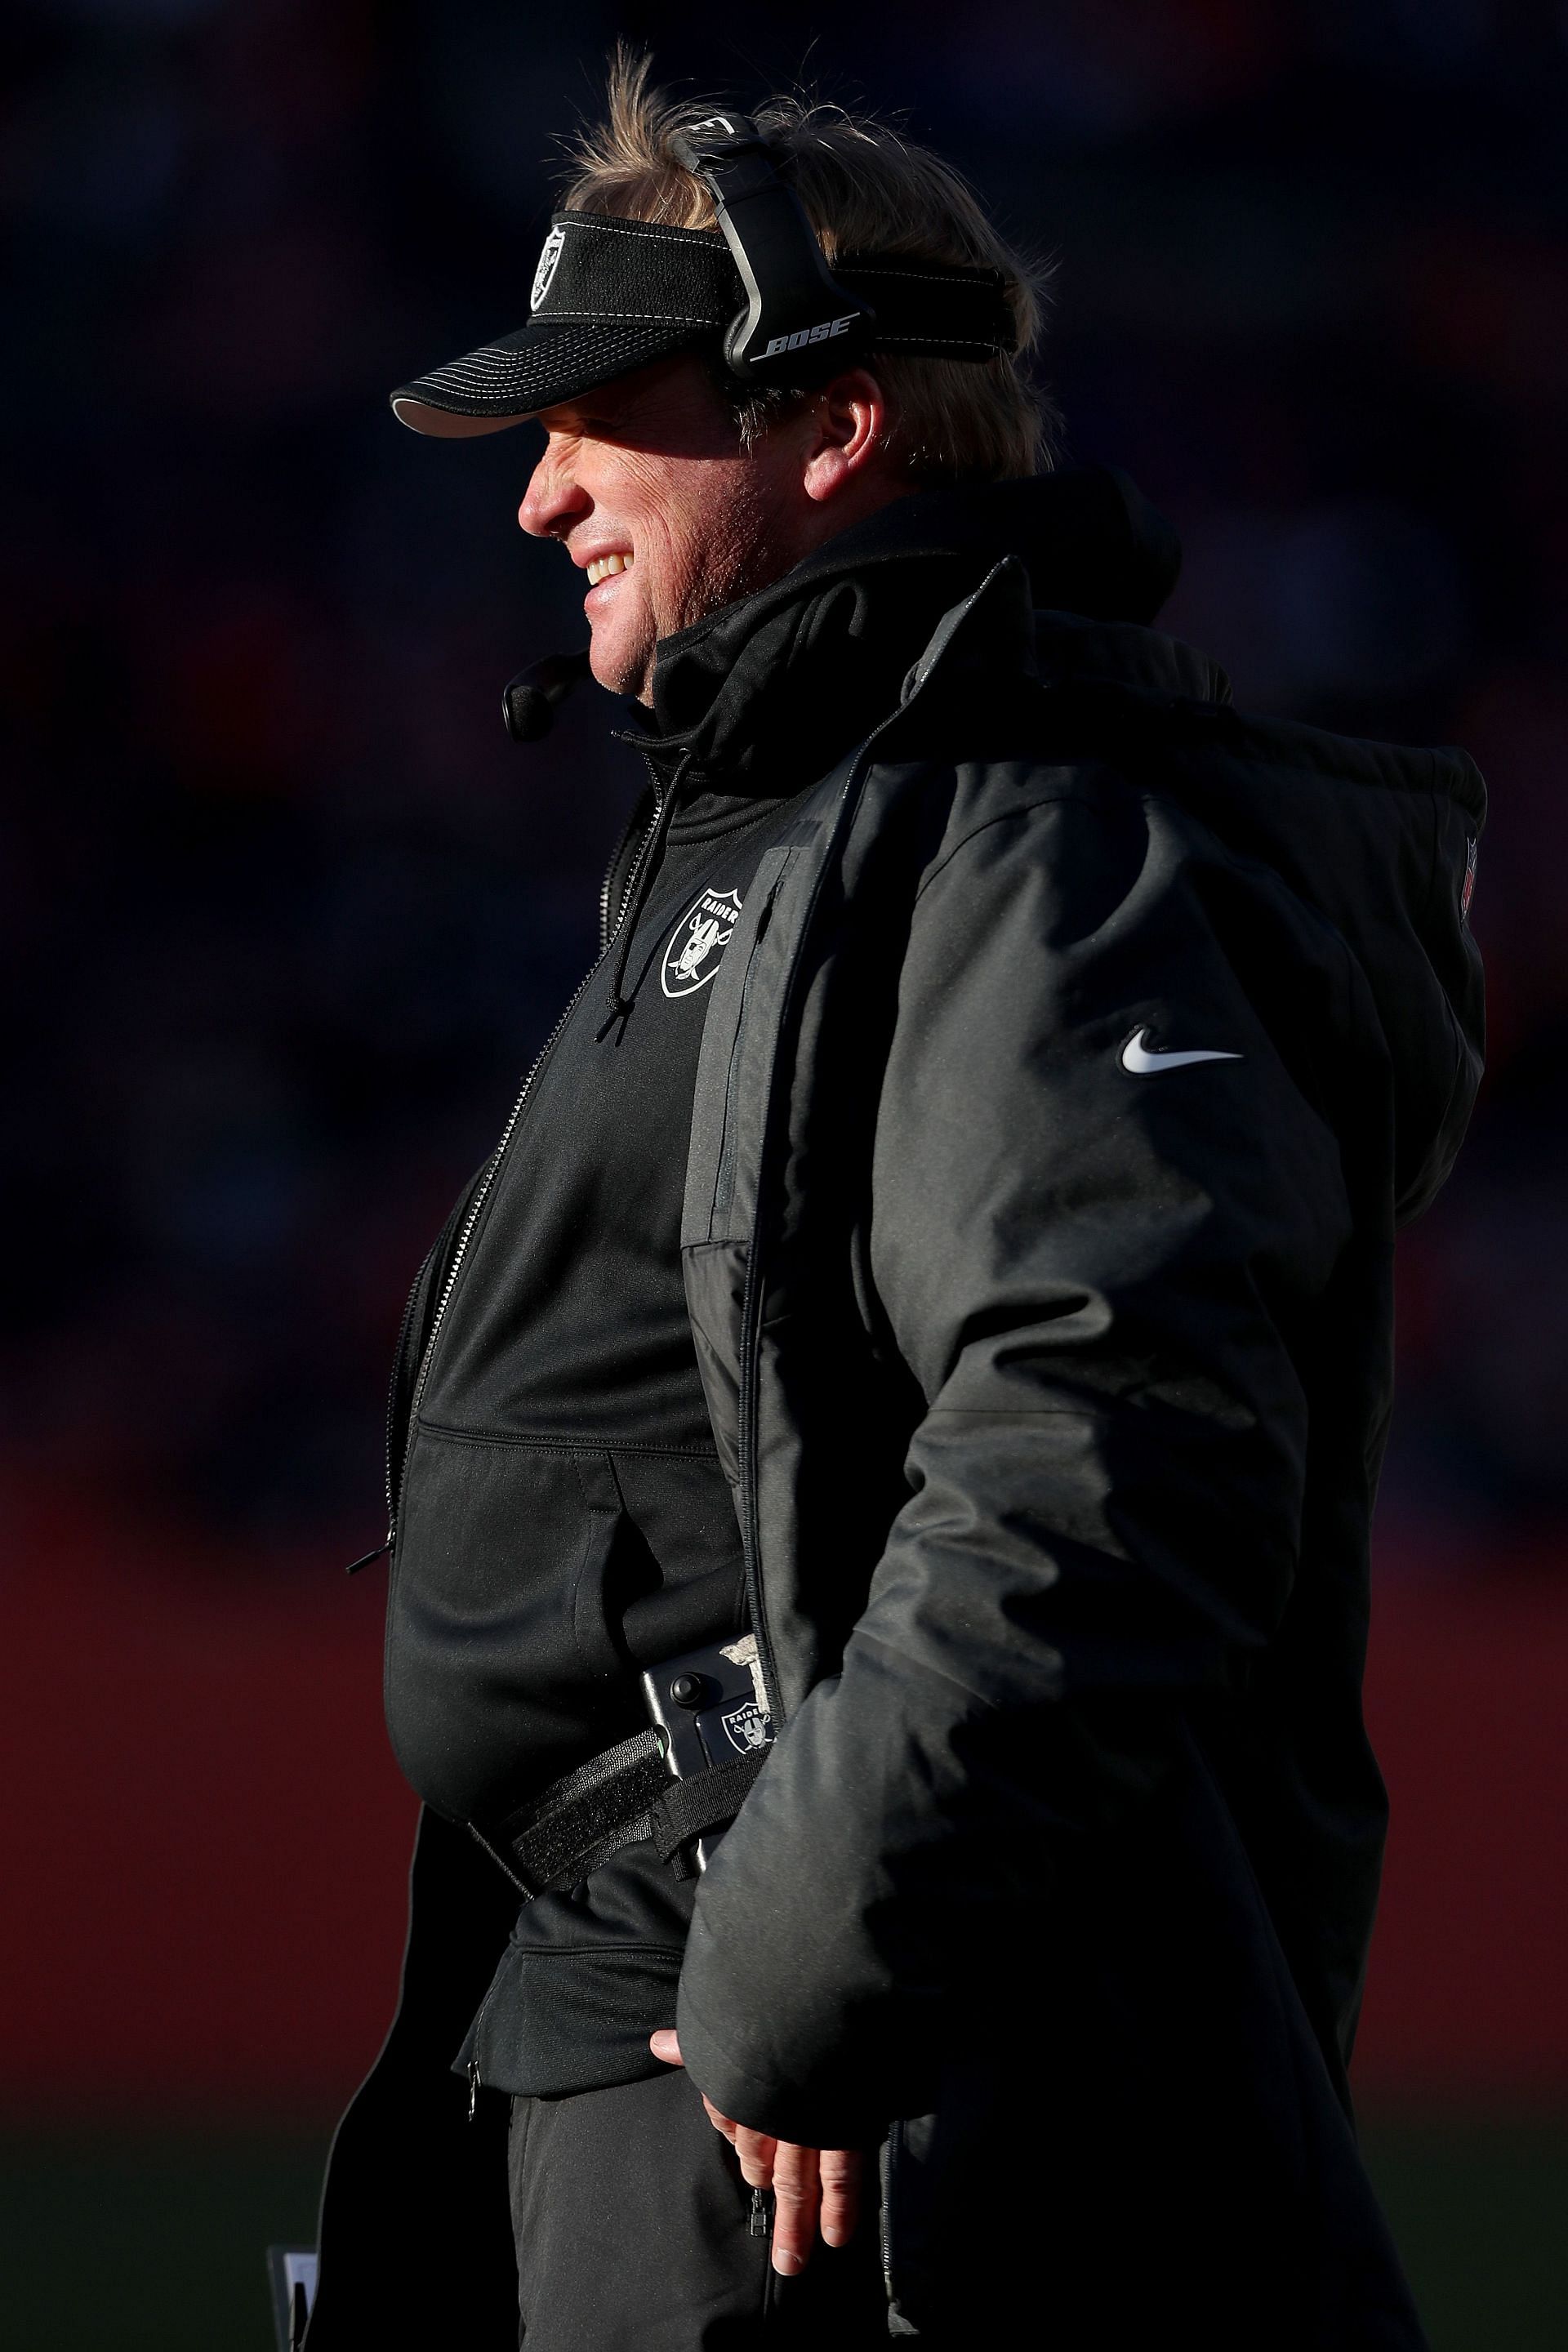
(553, 499)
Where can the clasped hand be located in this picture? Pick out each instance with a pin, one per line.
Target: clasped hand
(813, 2187)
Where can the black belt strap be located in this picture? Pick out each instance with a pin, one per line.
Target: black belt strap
(705, 1802)
(616, 1800)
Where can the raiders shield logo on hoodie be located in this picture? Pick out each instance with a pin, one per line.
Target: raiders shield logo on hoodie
(697, 948)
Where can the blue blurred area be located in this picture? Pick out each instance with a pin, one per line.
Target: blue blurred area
(282, 912)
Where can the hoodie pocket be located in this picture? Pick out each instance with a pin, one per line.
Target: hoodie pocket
(499, 1656)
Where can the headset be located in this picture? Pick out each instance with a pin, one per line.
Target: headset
(531, 701)
(799, 325)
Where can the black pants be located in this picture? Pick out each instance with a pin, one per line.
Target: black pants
(634, 2234)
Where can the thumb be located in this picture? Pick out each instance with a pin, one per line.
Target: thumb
(665, 2045)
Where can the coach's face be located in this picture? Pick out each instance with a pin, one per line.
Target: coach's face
(646, 486)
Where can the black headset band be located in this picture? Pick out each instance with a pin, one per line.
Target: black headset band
(603, 269)
(796, 314)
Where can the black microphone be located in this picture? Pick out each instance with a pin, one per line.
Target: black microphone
(530, 700)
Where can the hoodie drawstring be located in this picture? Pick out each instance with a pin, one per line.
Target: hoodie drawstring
(649, 858)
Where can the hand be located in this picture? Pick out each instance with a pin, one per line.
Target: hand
(810, 2184)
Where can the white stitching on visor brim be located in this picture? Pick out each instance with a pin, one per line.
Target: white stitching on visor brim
(452, 425)
(531, 373)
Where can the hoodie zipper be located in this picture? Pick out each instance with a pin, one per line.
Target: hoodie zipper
(608, 928)
(608, 933)
(386, 1544)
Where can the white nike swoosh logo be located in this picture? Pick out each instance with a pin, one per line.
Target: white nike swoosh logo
(1137, 1057)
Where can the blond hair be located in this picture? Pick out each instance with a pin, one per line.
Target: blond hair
(865, 189)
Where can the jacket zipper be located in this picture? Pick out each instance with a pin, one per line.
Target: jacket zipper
(724, 1183)
(608, 933)
(751, 1297)
(895, 2134)
(750, 1305)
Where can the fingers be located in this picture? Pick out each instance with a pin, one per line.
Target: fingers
(812, 2189)
(755, 2151)
(840, 2170)
(666, 2045)
(797, 2196)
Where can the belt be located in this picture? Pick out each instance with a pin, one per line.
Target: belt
(618, 1799)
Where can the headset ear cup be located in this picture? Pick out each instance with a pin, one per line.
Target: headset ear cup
(793, 300)
(805, 359)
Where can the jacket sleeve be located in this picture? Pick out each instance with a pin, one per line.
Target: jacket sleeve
(1092, 1266)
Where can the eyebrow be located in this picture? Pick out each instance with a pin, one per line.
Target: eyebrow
(576, 415)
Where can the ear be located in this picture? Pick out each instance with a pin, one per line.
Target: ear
(849, 423)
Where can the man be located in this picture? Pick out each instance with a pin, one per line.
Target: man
(939, 1272)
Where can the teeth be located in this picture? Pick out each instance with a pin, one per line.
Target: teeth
(604, 565)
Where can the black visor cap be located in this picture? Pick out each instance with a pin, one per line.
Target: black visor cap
(611, 296)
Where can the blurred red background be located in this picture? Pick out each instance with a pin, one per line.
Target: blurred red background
(209, 1846)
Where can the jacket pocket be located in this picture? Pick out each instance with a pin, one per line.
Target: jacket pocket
(715, 1276)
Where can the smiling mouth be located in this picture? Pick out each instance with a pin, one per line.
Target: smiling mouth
(604, 567)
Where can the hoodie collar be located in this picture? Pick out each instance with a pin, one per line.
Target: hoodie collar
(773, 689)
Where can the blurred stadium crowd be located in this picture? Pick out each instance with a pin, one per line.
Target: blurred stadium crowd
(283, 913)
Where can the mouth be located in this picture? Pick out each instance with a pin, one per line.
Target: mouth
(604, 567)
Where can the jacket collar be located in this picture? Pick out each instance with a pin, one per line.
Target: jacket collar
(777, 688)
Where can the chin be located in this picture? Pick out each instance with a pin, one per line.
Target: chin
(620, 660)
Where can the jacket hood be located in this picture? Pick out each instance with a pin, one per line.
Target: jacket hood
(1378, 841)
(1381, 841)
(778, 687)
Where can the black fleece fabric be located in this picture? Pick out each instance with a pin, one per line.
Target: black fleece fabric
(1079, 1047)
(563, 1521)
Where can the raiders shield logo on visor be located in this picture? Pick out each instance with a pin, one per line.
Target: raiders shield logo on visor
(550, 253)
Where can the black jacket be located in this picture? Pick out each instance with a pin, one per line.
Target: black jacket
(1051, 1371)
